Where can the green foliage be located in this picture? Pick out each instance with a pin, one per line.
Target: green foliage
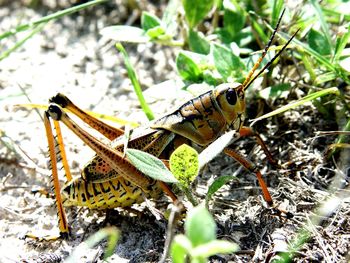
(198, 43)
(228, 64)
(196, 11)
(215, 44)
(150, 165)
(299, 102)
(319, 42)
(199, 241)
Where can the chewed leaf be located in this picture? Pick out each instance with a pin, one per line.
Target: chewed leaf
(150, 165)
(184, 164)
(126, 34)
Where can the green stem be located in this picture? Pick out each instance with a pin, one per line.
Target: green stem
(21, 42)
(135, 82)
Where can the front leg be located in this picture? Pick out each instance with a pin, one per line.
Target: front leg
(249, 132)
(251, 167)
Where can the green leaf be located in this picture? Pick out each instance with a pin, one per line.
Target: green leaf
(318, 42)
(149, 21)
(180, 247)
(200, 226)
(227, 64)
(274, 92)
(233, 22)
(195, 11)
(198, 43)
(187, 66)
(125, 34)
(214, 247)
(217, 184)
(150, 165)
(184, 164)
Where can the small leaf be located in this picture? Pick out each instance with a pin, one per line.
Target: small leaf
(149, 21)
(125, 34)
(184, 164)
(195, 11)
(217, 184)
(226, 62)
(187, 67)
(180, 247)
(198, 43)
(155, 32)
(200, 226)
(150, 165)
(318, 42)
(214, 247)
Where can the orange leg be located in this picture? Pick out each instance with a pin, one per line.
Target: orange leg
(62, 219)
(247, 131)
(251, 167)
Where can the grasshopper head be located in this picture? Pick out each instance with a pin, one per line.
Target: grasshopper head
(230, 100)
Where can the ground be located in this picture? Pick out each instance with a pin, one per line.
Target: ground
(69, 56)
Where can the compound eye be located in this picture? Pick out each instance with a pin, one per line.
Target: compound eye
(231, 96)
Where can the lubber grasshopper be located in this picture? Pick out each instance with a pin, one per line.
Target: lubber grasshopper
(109, 180)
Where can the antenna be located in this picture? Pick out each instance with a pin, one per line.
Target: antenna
(249, 80)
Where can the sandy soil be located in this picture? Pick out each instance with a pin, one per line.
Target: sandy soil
(69, 56)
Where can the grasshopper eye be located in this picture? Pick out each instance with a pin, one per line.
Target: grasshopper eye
(231, 96)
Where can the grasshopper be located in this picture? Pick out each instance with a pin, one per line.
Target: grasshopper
(109, 180)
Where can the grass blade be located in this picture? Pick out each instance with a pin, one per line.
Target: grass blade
(297, 103)
(132, 75)
(21, 42)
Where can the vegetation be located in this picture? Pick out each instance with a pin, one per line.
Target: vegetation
(219, 42)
